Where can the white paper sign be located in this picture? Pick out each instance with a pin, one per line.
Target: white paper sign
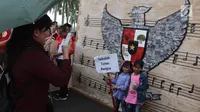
(106, 63)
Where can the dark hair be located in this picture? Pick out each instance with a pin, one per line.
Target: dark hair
(44, 23)
(67, 25)
(139, 62)
(125, 64)
(54, 22)
(22, 35)
(63, 28)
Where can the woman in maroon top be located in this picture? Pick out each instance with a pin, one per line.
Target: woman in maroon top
(28, 62)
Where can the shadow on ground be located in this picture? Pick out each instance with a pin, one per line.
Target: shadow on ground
(79, 103)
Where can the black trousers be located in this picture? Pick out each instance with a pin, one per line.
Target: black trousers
(63, 90)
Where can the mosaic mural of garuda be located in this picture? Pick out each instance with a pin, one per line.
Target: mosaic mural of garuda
(154, 44)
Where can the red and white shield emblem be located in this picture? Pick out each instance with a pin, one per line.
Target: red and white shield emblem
(133, 44)
(4, 36)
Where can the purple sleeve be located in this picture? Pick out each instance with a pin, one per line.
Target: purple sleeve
(114, 81)
(126, 84)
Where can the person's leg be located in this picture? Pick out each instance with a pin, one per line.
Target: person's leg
(128, 107)
(123, 105)
(137, 108)
(117, 103)
(62, 93)
(58, 65)
(131, 107)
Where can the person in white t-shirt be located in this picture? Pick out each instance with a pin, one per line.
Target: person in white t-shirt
(66, 36)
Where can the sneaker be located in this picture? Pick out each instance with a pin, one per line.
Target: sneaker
(59, 98)
(57, 94)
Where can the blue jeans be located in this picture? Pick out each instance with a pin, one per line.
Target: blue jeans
(133, 108)
(123, 105)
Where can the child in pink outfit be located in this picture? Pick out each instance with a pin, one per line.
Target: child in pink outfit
(138, 85)
(132, 93)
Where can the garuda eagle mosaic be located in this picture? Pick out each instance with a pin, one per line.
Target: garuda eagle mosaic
(154, 44)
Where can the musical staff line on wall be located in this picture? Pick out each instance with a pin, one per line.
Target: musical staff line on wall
(92, 83)
(189, 91)
(185, 59)
(157, 107)
(102, 87)
(192, 32)
(94, 43)
(125, 22)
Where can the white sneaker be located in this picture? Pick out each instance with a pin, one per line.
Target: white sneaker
(59, 98)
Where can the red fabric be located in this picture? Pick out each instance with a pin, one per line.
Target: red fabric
(4, 39)
(59, 39)
(129, 33)
(34, 63)
(7, 36)
(73, 42)
(138, 55)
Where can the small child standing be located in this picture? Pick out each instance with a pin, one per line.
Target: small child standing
(138, 85)
(121, 84)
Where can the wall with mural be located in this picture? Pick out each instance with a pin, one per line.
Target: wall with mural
(168, 35)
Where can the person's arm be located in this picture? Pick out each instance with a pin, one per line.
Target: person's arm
(44, 68)
(58, 54)
(126, 84)
(144, 86)
(114, 81)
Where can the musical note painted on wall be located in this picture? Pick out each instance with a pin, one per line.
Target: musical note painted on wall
(191, 91)
(174, 87)
(178, 91)
(178, 58)
(102, 87)
(163, 83)
(171, 88)
(185, 59)
(175, 59)
(84, 41)
(193, 28)
(87, 21)
(197, 61)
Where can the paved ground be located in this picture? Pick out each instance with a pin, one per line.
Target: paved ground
(79, 103)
